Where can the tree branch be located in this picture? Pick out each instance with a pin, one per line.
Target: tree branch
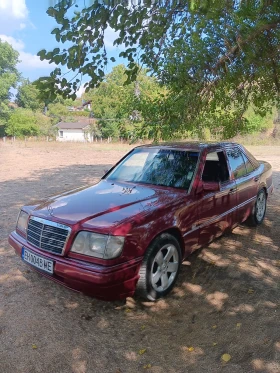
(237, 47)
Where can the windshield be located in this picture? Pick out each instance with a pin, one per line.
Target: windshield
(165, 167)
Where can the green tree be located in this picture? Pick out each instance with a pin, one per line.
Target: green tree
(45, 124)
(8, 77)
(22, 122)
(58, 110)
(118, 106)
(257, 122)
(28, 96)
(25, 122)
(108, 101)
(215, 57)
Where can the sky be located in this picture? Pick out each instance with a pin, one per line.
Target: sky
(26, 26)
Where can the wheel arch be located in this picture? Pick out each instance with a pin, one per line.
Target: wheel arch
(264, 187)
(175, 232)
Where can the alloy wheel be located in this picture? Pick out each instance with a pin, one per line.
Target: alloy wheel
(260, 206)
(164, 267)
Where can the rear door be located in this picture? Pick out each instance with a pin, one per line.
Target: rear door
(253, 176)
(243, 180)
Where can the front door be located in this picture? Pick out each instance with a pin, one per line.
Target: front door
(216, 209)
(187, 217)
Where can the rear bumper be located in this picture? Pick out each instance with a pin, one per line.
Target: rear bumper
(108, 283)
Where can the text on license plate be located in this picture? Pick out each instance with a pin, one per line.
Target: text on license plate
(37, 260)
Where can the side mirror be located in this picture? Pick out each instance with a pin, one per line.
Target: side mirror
(211, 186)
(208, 186)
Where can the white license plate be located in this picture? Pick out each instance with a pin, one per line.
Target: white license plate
(37, 261)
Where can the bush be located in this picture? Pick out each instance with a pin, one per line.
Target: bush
(25, 122)
(22, 122)
(206, 134)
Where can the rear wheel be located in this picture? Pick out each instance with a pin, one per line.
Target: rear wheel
(160, 267)
(259, 209)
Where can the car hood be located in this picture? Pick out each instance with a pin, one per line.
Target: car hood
(84, 204)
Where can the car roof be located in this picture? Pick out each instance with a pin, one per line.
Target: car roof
(190, 145)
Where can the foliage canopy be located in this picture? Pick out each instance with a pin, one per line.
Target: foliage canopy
(8, 76)
(26, 122)
(28, 96)
(216, 57)
(118, 106)
(22, 123)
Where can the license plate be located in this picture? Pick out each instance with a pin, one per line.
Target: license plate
(37, 261)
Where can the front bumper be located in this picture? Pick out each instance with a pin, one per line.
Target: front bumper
(108, 283)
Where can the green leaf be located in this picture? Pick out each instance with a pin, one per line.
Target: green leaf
(42, 54)
(55, 31)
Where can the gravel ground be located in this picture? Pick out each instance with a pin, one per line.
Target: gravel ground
(226, 300)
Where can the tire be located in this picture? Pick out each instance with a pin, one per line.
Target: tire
(160, 267)
(259, 209)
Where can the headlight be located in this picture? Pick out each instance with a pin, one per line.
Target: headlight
(22, 222)
(98, 245)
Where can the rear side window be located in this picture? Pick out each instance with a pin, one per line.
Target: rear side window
(236, 162)
(248, 164)
(252, 159)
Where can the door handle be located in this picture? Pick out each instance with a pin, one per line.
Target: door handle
(232, 190)
(256, 178)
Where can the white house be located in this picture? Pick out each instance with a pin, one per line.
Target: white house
(78, 131)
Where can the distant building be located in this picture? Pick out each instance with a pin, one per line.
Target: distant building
(12, 105)
(77, 131)
(85, 105)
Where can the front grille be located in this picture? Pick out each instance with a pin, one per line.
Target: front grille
(47, 235)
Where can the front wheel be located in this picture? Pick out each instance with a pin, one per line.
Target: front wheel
(160, 267)
(259, 209)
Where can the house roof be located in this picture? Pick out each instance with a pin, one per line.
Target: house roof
(72, 125)
(87, 102)
(13, 105)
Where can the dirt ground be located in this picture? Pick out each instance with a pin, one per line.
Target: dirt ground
(226, 300)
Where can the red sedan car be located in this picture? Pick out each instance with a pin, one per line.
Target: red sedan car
(132, 229)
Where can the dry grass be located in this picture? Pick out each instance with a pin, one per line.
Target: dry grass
(56, 145)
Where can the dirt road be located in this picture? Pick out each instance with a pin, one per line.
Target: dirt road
(226, 300)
